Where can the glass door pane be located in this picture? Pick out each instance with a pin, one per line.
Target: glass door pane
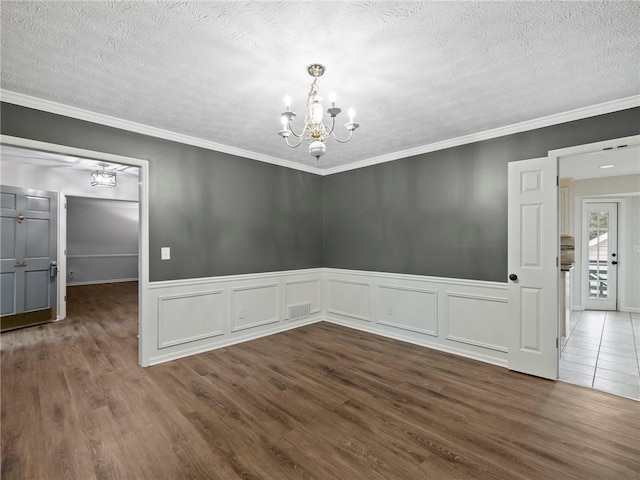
(598, 254)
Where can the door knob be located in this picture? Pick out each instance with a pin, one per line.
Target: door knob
(513, 277)
(614, 263)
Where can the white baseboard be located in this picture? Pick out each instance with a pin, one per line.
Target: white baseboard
(227, 342)
(500, 362)
(630, 310)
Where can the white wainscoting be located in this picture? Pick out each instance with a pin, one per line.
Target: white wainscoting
(464, 317)
(197, 315)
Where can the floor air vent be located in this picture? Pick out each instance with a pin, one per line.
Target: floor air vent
(299, 311)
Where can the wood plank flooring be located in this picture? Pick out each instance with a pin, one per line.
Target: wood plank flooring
(318, 402)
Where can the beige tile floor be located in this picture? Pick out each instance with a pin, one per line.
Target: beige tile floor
(602, 352)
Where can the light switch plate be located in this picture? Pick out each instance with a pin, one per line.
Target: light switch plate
(165, 253)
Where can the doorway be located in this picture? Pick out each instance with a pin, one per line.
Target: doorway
(601, 184)
(144, 330)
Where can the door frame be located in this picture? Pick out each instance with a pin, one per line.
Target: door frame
(588, 148)
(144, 324)
(554, 156)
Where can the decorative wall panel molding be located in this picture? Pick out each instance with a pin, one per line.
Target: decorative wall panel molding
(189, 317)
(254, 306)
(474, 319)
(349, 299)
(411, 309)
(302, 292)
(464, 317)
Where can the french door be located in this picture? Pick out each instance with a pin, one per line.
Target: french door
(600, 255)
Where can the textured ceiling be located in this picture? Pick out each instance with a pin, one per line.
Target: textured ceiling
(416, 72)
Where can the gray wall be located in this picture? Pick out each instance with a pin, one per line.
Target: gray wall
(440, 214)
(444, 213)
(220, 214)
(102, 240)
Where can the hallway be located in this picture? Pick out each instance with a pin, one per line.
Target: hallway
(601, 352)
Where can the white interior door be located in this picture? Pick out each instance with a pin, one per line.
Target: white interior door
(600, 255)
(532, 264)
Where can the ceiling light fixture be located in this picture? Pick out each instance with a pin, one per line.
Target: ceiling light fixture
(315, 131)
(103, 178)
(607, 166)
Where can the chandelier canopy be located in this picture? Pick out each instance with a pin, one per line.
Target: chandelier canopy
(315, 130)
(103, 178)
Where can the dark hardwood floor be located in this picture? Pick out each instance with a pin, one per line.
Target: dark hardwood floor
(318, 402)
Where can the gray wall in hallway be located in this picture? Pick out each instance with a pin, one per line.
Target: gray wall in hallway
(443, 213)
(102, 240)
(220, 214)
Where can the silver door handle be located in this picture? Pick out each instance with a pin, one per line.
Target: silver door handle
(21, 264)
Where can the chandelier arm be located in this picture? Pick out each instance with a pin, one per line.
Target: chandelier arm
(296, 145)
(300, 135)
(343, 141)
(333, 125)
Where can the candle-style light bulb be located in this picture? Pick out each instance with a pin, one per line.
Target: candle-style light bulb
(352, 113)
(332, 98)
(287, 102)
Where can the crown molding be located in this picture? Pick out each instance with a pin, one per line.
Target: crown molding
(80, 114)
(555, 119)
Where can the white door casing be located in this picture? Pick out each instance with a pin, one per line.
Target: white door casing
(600, 255)
(532, 266)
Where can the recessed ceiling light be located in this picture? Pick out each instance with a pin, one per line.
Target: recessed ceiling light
(607, 166)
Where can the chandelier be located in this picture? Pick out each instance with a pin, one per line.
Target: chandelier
(103, 178)
(315, 130)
